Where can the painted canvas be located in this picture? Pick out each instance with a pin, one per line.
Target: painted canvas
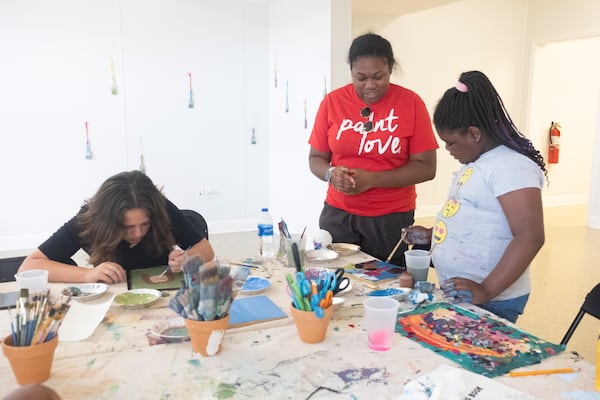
(479, 343)
(140, 278)
(374, 271)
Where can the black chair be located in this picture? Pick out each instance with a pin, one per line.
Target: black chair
(591, 305)
(197, 220)
(9, 267)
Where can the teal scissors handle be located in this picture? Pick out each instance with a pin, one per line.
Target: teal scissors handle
(314, 300)
(329, 283)
(303, 284)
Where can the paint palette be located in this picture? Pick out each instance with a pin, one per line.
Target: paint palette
(87, 291)
(171, 330)
(338, 300)
(255, 284)
(137, 298)
(345, 249)
(321, 255)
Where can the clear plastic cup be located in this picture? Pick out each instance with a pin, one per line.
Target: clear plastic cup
(301, 243)
(417, 264)
(381, 314)
(34, 280)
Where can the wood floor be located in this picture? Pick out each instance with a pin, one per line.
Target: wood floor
(564, 271)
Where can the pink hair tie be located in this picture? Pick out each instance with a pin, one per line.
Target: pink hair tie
(461, 87)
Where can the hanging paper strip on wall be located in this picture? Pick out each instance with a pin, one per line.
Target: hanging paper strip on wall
(275, 68)
(305, 120)
(287, 103)
(88, 145)
(191, 100)
(113, 88)
(142, 167)
(324, 86)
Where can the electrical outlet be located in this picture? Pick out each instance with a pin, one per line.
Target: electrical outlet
(209, 193)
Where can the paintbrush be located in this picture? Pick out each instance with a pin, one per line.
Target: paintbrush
(296, 255)
(190, 268)
(224, 292)
(58, 319)
(396, 247)
(209, 280)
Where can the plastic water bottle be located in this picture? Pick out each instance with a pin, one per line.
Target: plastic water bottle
(265, 234)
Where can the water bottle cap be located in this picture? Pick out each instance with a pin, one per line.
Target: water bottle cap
(265, 209)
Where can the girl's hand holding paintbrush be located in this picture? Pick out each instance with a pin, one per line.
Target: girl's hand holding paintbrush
(417, 235)
(176, 258)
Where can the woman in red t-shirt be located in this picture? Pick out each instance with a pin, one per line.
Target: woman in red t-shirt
(372, 141)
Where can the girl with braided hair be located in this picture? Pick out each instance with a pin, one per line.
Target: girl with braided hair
(491, 226)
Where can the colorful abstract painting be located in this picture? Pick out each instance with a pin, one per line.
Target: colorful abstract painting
(374, 271)
(477, 342)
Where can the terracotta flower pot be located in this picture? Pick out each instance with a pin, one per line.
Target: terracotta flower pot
(30, 364)
(310, 328)
(206, 336)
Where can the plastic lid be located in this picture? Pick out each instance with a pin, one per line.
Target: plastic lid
(265, 210)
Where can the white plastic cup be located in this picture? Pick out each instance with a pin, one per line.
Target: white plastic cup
(417, 263)
(35, 280)
(380, 318)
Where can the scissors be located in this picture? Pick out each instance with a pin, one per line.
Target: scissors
(327, 281)
(305, 287)
(342, 281)
(300, 302)
(316, 301)
(327, 300)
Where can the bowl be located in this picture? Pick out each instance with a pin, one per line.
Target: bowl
(320, 255)
(137, 298)
(171, 330)
(255, 284)
(345, 249)
(395, 293)
(87, 291)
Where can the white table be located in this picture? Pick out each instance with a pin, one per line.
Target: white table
(260, 361)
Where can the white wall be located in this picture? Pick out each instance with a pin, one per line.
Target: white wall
(300, 33)
(556, 96)
(56, 75)
(563, 38)
(435, 45)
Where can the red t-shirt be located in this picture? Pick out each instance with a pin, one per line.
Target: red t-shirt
(401, 127)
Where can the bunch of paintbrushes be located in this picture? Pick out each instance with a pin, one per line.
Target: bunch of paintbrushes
(37, 318)
(206, 291)
(284, 234)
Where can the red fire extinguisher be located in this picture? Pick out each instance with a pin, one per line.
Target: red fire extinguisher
(554, 144)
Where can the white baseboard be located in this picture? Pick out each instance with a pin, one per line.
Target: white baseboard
(593, 222)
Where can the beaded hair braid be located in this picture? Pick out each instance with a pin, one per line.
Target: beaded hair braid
(475, 102)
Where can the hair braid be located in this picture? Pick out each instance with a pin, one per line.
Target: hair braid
(481, 106)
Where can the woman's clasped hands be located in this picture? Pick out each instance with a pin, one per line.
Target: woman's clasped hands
(350, 181)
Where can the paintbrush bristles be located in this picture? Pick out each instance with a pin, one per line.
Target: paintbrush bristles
(207, 294)
(190, 267)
